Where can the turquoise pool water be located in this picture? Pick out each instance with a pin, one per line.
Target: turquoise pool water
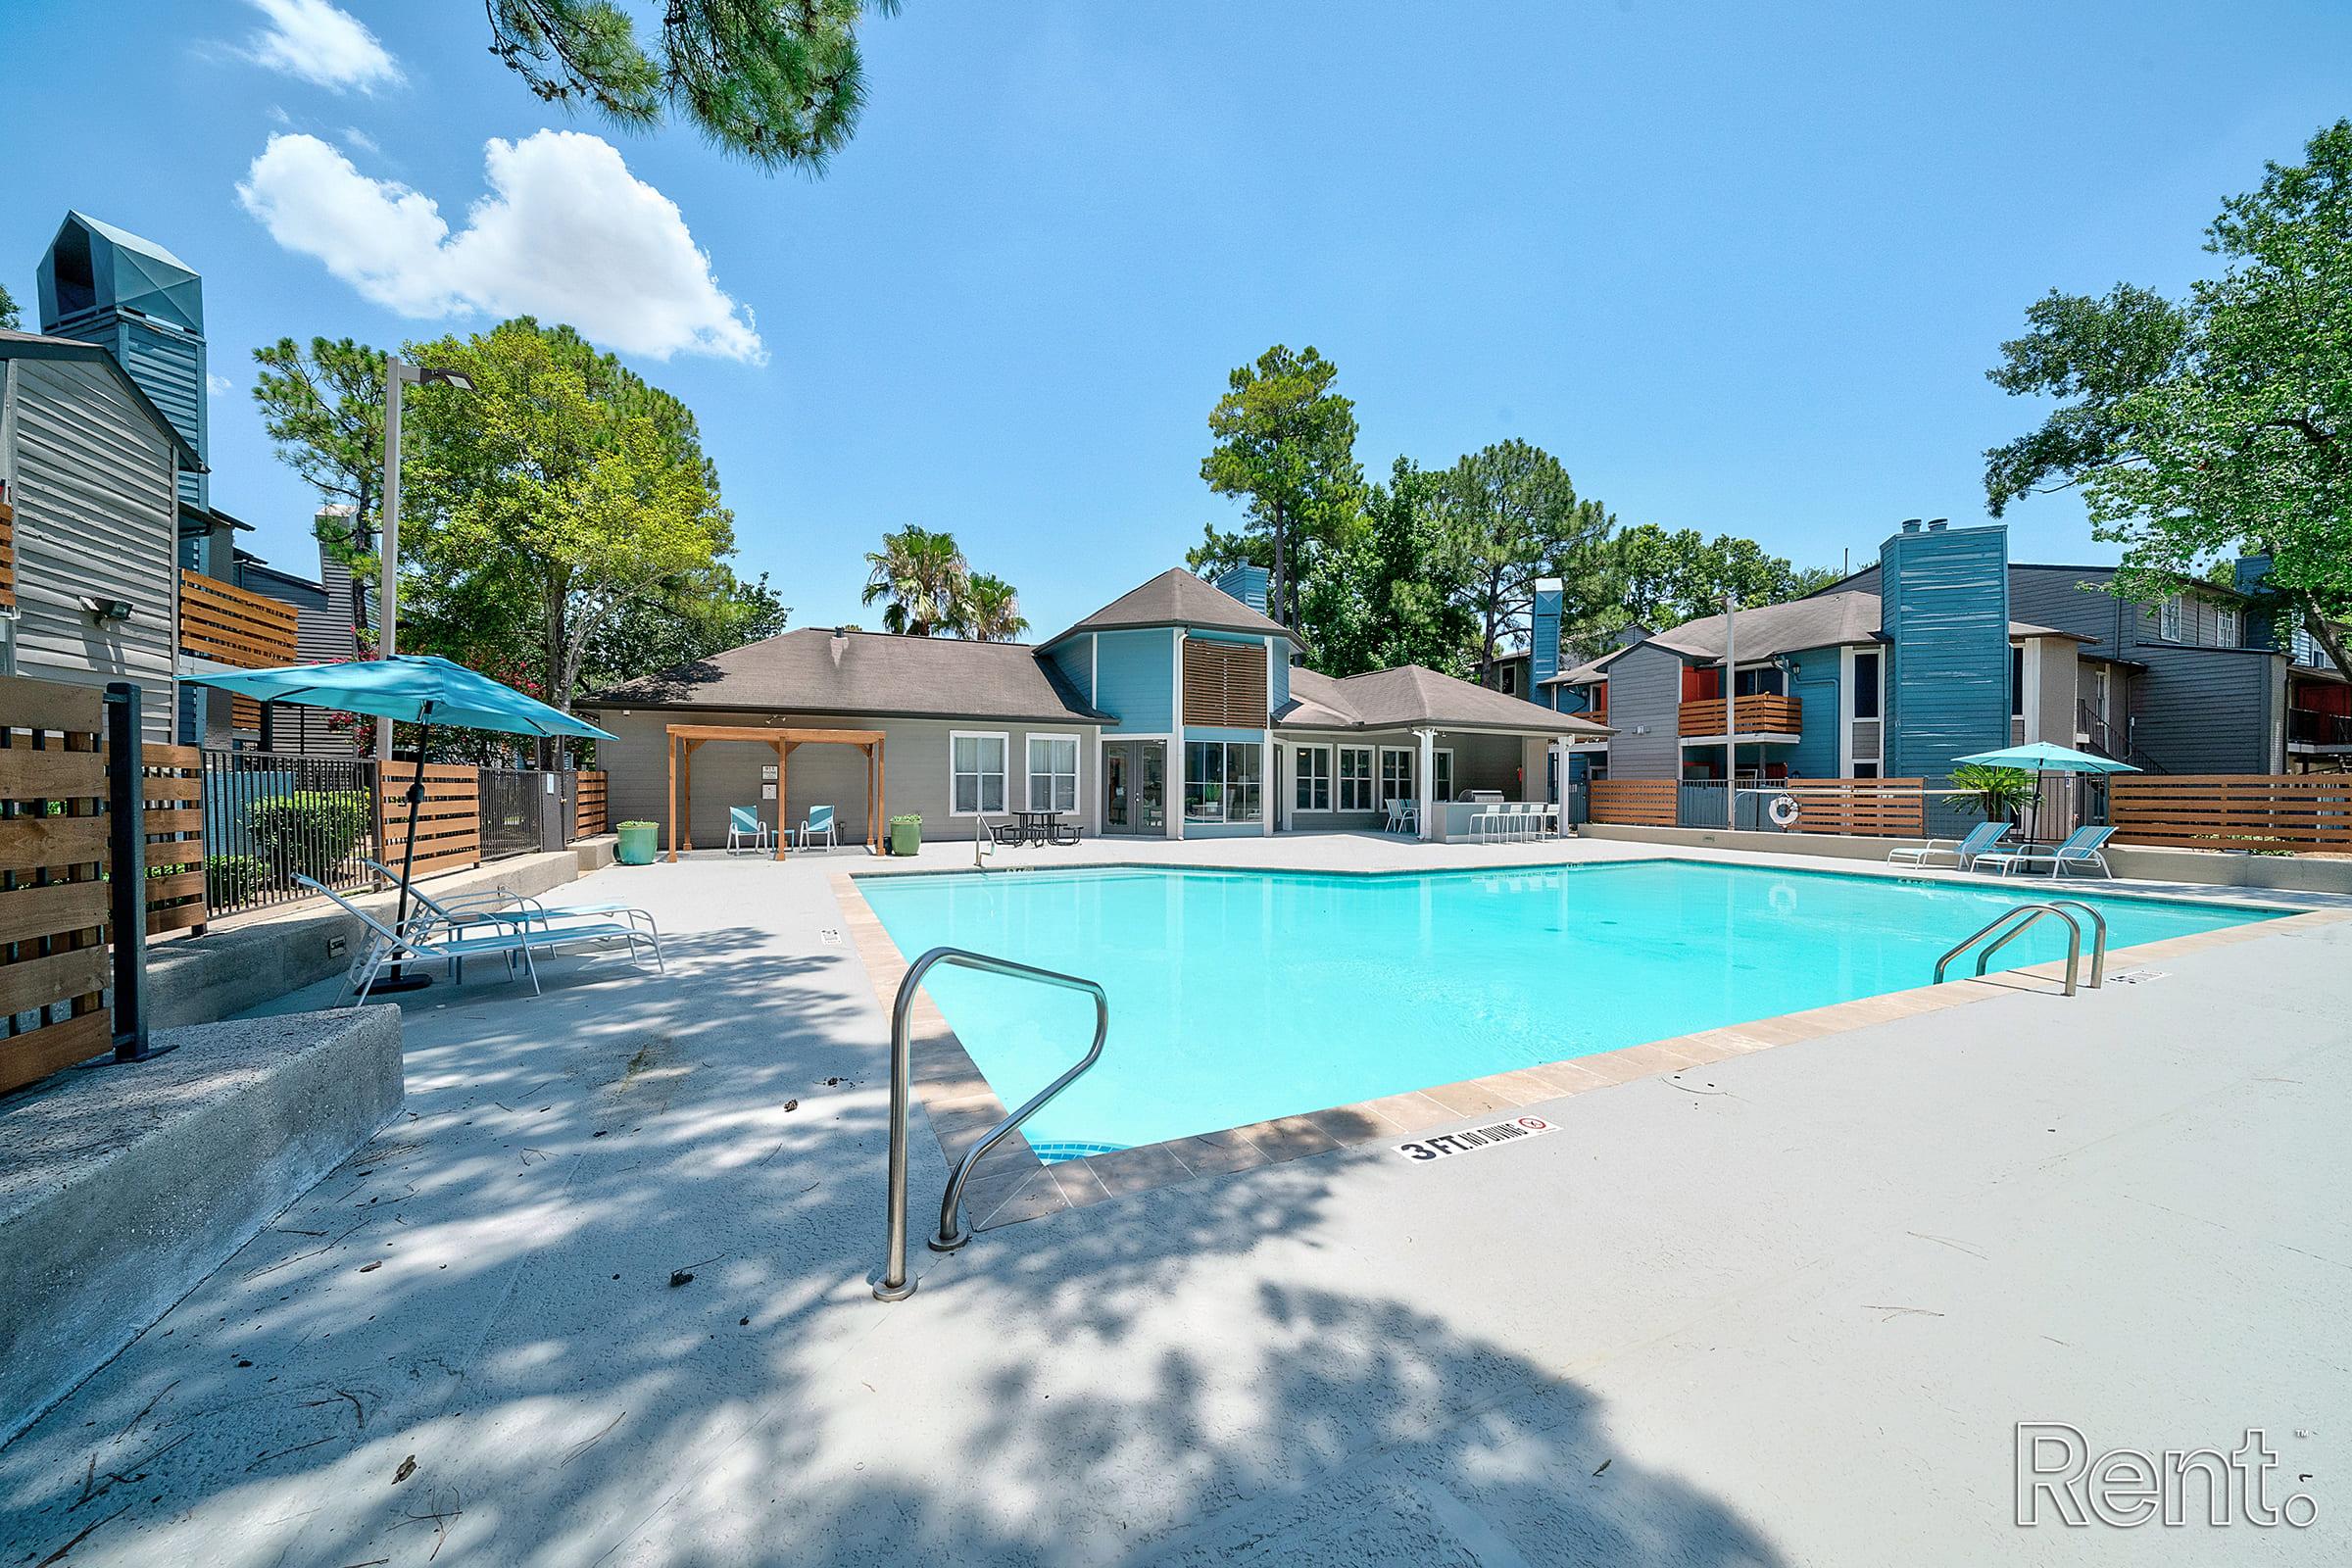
(1237, 996)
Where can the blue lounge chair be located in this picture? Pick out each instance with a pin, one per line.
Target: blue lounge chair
(1964, 853)
(818, 826)
(2081, 850)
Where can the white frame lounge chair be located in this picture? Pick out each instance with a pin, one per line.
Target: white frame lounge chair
(520, 910)
(820, 821)
(1965, 852)
(387, 946)
(2084, 845)
(744, 822)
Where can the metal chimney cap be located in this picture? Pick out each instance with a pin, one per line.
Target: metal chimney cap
(1939, 524)
(1910, 526)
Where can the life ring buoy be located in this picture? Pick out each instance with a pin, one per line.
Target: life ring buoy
(1784, 811)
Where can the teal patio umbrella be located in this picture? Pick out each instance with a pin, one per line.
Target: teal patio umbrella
(2041, 756)
(423, 690)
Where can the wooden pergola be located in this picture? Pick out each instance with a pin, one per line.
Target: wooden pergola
(785, 741)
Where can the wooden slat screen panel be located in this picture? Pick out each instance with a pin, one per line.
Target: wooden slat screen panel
(1760, 714)
(230, 625)
(1884, 807)
(53, 891)
(588, 816)
(8, 555)
(1635, 802)
(2293, 811)
(1225, 684)
(174, 819)
(449, 822)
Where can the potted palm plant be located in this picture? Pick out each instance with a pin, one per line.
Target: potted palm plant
(1996, 794)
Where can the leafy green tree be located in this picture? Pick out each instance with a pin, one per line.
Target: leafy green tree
(1411, 585)
(991, 612)
(708, 614)
(777, 82)
(8, 308)
(920, 579)
(324, 405)
(1285, 441)
(1512, 512)
(2220, 426)
(545, 501)
(1663, 577)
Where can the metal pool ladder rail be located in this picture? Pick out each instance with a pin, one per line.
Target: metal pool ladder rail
(893, 1285)
(2017, 921)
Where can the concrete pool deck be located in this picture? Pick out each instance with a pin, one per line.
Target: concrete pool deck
(1783, 1308)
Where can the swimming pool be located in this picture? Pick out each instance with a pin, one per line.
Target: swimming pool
(1241, 995)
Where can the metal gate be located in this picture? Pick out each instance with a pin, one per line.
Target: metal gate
(511, 806)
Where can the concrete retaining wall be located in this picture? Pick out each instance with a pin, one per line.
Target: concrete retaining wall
(122, 1186)
(2292, 873)
(244, 963)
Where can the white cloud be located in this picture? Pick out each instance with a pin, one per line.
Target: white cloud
(218, 386)
(566, 233)
(324, 46)
(354, 136)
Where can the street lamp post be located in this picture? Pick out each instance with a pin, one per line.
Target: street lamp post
(397, 373)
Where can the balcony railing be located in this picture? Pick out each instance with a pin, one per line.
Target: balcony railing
(1761, 714)
(2306, 726)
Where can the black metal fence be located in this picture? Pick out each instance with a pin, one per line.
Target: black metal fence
(270, 816)
(513, 805)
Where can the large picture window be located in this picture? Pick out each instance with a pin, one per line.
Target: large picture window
(1053, 772)
(975, 773)
(1355, 779)
(1314, 778)
(1223, 781)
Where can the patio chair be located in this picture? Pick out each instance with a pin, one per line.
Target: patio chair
(1964, 853)
(1000, 834)
(744, 822)
(819, 825)
(387, 946)
(1486, 825)
(1065, 834)
(503, 906)
(2084, 848)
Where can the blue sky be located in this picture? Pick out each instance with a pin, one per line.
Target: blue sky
(1740, 267)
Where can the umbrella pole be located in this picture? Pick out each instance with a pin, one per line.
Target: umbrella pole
(401, 979)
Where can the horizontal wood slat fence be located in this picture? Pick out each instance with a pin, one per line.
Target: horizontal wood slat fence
(174, 819)
(2292, 812)
(54, 964)
(233, 625)
(1636, 802)
(449, 821)
(1882, 808)
(588, 813)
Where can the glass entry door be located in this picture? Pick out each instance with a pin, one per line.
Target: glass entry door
(1135, 787)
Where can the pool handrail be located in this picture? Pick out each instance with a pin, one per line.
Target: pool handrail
(2031, 913)
(2098, 939)
(893, 1285)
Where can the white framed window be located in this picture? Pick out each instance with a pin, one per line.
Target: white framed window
(1396, 774)
(1223, 781)
(976, 772)
(1355, 779)
(2168, 618)
(2226, 628)
(1312, 786)
(1053, 772)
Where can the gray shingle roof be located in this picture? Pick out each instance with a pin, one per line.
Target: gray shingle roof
(1409, 696)
(1824, 620)
(1177, 598)
(815, 670)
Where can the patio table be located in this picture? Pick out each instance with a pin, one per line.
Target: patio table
(1037, 827)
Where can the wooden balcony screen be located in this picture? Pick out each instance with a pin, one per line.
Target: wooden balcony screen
(1763, 712)
(1225, 684)
(234, 627)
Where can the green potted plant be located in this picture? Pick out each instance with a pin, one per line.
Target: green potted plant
(905, 834)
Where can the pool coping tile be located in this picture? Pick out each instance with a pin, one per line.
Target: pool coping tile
(1010, 1184)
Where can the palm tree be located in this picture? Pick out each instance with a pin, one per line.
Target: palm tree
(991, 612)
(922, 579)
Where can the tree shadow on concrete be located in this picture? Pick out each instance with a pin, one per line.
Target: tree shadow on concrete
(478, 1342)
